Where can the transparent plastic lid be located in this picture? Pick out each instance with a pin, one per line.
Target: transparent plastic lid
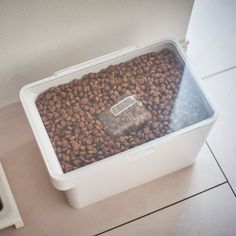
(120, 107)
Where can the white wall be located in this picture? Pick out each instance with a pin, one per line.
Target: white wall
(39, 37)
(212, 36)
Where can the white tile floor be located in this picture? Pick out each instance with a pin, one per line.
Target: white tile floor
(222, 140)
(195, 201)
(210, 213)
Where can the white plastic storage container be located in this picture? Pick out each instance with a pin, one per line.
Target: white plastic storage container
(138, 165)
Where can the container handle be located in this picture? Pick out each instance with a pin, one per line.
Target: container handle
(123, 105)
(93, 62)
(140, 153)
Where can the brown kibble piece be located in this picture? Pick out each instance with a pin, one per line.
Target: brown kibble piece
(70, 112)
(75, 146)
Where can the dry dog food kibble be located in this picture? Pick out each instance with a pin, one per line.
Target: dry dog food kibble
(136, 99)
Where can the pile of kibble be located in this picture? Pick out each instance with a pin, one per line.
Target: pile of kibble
(70, 112)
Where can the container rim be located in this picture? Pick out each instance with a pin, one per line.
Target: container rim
(59, 175)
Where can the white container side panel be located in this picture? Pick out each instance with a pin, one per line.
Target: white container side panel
(137, 168)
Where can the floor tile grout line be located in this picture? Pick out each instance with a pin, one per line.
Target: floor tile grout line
(220, 168)
(9, 104)
(162, 208)
(218, 72)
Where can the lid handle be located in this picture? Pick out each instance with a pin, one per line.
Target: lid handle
(93, 62)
